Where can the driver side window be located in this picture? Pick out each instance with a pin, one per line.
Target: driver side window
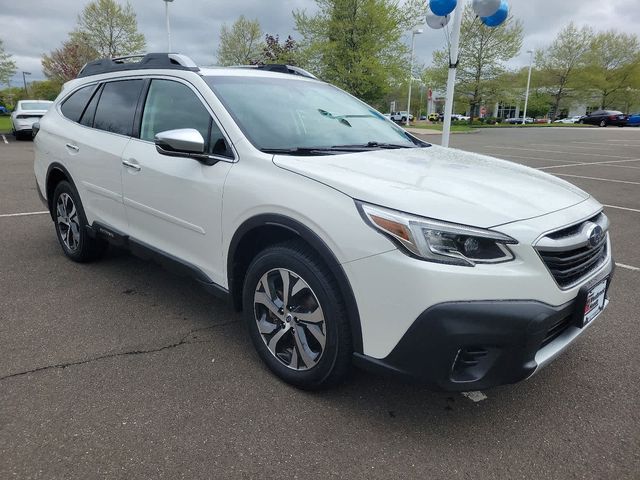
(172, 105)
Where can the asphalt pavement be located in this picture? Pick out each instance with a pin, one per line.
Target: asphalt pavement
(119, 369)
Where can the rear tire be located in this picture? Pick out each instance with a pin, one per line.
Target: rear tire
(296, 317)
(71, 226)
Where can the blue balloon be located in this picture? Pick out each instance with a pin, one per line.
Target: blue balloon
(497, 18)
(442, 8)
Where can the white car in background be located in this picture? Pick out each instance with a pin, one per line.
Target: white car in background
(27, 113)
(573, 119)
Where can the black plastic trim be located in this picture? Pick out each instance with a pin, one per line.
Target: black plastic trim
(157, 61)
(166, 260)
(57, 166)
(319, 246)
(511, 332)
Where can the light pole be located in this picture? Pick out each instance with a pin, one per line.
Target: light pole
(526, 97)
(166, 14)
(417, 31)
(24, 81)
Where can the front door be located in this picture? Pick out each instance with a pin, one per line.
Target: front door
(174, 204)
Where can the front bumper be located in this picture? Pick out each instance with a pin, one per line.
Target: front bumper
(462, 346)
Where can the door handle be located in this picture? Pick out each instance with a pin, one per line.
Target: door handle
(73, 147)
(132, 164)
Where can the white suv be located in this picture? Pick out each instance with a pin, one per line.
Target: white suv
(343, 238)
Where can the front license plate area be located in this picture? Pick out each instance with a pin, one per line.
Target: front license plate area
(594, 304)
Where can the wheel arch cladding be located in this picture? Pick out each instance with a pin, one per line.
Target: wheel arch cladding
(262, 231)
(56, 173)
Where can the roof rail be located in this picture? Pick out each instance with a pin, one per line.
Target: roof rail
(280, 68)
(173, 61)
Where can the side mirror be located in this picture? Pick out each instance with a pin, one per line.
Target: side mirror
(182, 142)
(35, 128)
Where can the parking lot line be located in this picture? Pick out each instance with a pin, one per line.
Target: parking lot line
(609, 145)
(605, 163)
(628, 267)
(623, 208)
(26, 214)
(596, 178)
(4, 139)
(554, 151)
(528, 158)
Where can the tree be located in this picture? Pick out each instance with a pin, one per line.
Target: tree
(357, 44)
(614, 66)
(483, 51)
(561, 64)
(45, 89)
(240, 44)
(7, 65)
(64, 64)
(109, 28)
(275, 52)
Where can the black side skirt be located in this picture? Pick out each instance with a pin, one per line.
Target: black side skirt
(166, 260)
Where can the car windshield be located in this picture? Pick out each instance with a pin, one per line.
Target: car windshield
(279, 114)
(35, 105)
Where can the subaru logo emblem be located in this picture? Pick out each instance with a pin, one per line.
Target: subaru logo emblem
(594, 235)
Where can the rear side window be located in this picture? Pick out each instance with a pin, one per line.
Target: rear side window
(90, 111)
(117, 106)
(73, 106)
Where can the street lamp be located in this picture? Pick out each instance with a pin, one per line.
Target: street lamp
(417, 31)
(526, 98)
(166, 14)
(24, 81)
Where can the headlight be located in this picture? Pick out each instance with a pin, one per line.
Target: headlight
(438, 241)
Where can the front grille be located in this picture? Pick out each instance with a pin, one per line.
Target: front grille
(570, 266)
(568, 254)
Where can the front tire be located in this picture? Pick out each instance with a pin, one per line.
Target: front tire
(603, 123)
(296, 317)
(71, 226)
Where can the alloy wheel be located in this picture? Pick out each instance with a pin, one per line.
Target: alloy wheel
(290, 319)
(68, 222)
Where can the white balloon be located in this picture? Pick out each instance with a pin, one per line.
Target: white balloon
(436, 22)
(485, 8)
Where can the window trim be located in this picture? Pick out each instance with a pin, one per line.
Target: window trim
(95, 86)
(136, 127)
(233, 159)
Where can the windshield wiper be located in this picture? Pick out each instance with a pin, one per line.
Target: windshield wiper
(310, 151)
(370, 145)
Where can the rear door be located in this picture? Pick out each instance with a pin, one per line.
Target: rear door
(174, 204)
(94, 149)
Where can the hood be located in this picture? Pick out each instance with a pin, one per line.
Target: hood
(441, 183)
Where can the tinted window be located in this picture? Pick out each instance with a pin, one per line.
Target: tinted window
(35, 105)
(117, 106)
(73, 106)
(172, 105)
(89, 112)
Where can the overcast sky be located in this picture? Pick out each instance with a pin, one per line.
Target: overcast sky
(33, 27)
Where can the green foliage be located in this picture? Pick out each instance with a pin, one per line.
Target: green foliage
(561, 65)
(357, 44)
(109, 28)
(240, 44)
(7, 65)
(483, 52)
(44, 90)
(9, 97)
(614, 67)
(283, 53)
(64, 64)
